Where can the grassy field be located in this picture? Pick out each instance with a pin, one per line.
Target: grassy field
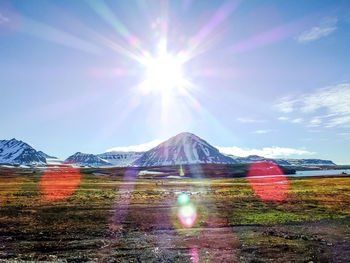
(85, 217)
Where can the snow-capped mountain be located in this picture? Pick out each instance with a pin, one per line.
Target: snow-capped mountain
(15, 152)
(46, 156)
(257, 158)
(184, 148)
(120, 158)
(286, 162)
(86, 159)
(309, 162)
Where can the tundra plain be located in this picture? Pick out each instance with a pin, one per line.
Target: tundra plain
(84, 215)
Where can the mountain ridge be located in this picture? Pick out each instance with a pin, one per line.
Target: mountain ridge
(183, 148)
(86, 159)
(282, 161)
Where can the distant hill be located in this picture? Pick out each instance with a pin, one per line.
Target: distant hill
(285, 162)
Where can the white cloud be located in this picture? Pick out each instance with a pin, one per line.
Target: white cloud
(316, 121)
(285, 105)
(334, 100)
(343, 121)
(270, 152)
(314, 131)
(344, 134)
(137, 148)
(249, 120)
(297, 120)
(262, 131)
(318, 32)
(3, 19)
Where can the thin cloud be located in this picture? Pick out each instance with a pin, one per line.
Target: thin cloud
(317, 121)
(269, 152)
(249, 120)
(297, 120)
(3, 19)
(334, 100)
(285, 105)
(343, 121)
(344, 135)
(137, 148)
(262, 131)
(318, 32)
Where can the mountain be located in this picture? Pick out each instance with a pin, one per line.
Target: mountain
(86, 159)
(15, 152)
(310, 162)
(257, 158)
(286, 162)
(184, 148)
(120, 158)
(46, 156)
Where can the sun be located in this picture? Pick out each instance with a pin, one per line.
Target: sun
(163, 74)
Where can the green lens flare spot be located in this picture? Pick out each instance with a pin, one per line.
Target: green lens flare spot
(183, 199)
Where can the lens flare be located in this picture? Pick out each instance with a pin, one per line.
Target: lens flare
(194, 254)
(59, 182)
(187, 213)
(187, 210)
(126, 189)
(181, 172)
(268, 181)
(183, 199)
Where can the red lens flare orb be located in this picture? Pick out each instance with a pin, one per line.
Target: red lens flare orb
(59, 182)
(268, 181)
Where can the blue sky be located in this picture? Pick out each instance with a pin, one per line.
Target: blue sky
(264, 77)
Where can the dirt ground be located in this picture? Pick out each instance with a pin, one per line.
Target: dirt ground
(60, 215)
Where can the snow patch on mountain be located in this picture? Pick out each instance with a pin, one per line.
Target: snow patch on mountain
(16, 152)
(46, 156)
(184, 148)
(120, 158)
(286, 162)
(86, 159)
